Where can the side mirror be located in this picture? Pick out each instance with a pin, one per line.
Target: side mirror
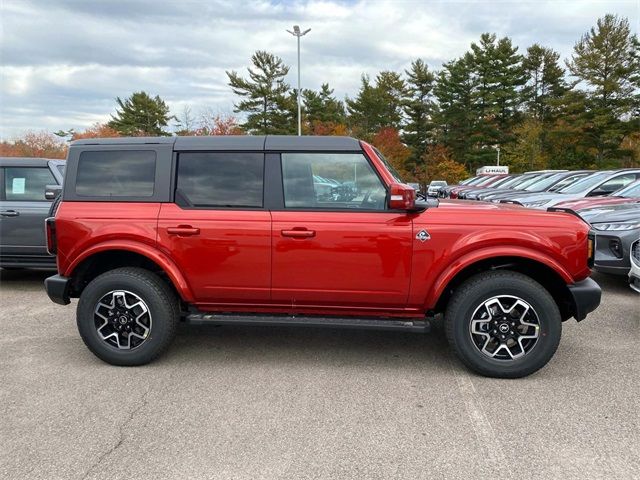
(52, 191)
(402, 197)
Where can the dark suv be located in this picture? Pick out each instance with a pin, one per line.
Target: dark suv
(306, 231)
(24, 205)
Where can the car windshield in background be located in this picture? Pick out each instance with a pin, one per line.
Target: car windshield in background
(530, 181)
(586, 183)
(438, 183)
(630, 191)
(567, 181)
(502, 181)
(544, 183)
(512, 181)
(478, 180)
(393, 171)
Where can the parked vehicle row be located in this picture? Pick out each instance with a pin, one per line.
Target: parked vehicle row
(608, 200)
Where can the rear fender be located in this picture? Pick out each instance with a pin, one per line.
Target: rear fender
(162, 260)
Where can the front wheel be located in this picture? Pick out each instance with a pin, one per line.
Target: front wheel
(503, 324)
(127, 316)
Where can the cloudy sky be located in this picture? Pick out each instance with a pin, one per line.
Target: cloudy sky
(64, 61)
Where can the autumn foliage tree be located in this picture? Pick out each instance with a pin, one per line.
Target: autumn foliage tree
(218, 125)
(35, 144)
(97, 130)
(439, 165)
(388, 141)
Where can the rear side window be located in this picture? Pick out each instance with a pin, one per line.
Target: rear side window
(116, 173)
(208, 179)
(27, 183)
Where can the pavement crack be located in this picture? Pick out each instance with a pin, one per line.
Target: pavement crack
(142, 403)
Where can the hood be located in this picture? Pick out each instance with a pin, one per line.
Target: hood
(484, 215)
(475, 206)
(542, 200)
(590, 202)
(625, 212)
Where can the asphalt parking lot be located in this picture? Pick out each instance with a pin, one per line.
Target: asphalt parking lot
(238, 402)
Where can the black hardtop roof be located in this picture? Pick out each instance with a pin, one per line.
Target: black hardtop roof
(236, 142)
(28, 161)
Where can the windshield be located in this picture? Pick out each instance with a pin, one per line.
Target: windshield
(502, 181)
(531, 181)
(565, 182)
(511, 182)
(393, 171)
(630, 191)
(489, 180)
(586, 183)
(438, 183)
(468, 180)
(543, 183)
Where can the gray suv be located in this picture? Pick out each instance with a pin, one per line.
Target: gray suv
(27, 187)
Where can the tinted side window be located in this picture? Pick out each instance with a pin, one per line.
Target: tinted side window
(116, 173)
(27, 183)
(331, 181)
(210, 179)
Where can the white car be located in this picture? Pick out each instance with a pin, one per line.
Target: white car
(634, 273)
(435, 186)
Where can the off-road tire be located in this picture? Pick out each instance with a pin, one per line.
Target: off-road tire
(482, 287)
(162, 303)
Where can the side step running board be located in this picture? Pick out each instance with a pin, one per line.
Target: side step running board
(420, 326)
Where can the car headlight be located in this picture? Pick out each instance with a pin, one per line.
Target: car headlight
(538, 204)
(616, 226)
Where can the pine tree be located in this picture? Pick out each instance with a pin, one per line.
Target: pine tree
(140, 114)
(266, 97)
(419, 108)
(545, 81)
(377, 106)
(498, 70)
(322, 106)
(457, 117)
(606, 60)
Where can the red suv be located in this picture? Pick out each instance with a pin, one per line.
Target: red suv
(306, 231)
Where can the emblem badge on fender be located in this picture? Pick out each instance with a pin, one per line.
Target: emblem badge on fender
(423, 236)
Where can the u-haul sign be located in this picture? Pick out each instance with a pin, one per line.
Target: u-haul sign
(492, 170)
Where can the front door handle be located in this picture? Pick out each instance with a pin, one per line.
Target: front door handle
(183, 231)
(298, 233)
(9, 213)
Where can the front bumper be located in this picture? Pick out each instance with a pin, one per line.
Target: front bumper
(57, 288)
(613, 251)
(586, 297)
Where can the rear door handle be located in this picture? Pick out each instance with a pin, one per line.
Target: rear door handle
(298, 233)
(183, 231)
(9, 213)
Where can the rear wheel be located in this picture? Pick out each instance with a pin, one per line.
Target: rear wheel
(127, 316)
(503, 324)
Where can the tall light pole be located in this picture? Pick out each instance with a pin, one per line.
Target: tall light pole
(497, 147)
(297, 33)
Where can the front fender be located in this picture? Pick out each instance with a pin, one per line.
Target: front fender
(156, 256)
(464, 261)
